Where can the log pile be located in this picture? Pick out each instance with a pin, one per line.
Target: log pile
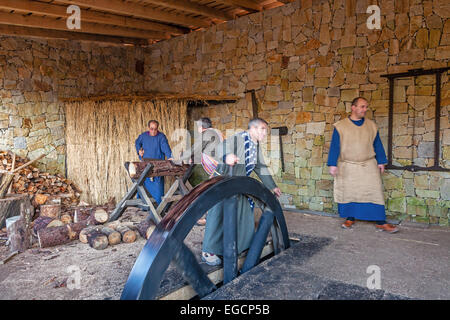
(30, 180)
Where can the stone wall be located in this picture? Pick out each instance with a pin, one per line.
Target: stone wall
(307, 60)
(35, 73)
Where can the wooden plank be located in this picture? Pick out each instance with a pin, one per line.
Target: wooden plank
(86, 27)
(246, 5)
(53, 10)
(152, 96)
(192, 7)
(137, 10)
(186, 292)
(66, 35)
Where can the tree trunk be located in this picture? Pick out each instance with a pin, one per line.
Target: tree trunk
(19, 233)
(128, 235)
(51, 210)
(114, 237)
(50, 237)
(160, 168)
(146, 228)
(40, 223)
(97, 240)
(10, 206)
(83, 234)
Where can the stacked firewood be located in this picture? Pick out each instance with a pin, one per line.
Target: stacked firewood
(32, 181)
(88, 224)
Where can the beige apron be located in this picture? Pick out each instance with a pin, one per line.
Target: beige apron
(358, 178)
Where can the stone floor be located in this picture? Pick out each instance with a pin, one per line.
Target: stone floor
(413, 263)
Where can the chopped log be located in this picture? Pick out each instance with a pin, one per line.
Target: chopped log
(128, 235)
(55, 223)
(40, 223)
(19, 233)
(100, 215)
(97, 240)
(50, 210)
(146, 228)
(54, 236)
(80, 215)
(160, 168)
(114, 237)
(75, 229)
(113, 224)
(66, 219)
(50, 237)
(10, 206)
(83, 234)
(40, 199)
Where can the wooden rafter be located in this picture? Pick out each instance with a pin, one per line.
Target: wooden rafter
(66, 35)
(247, 5)
(192, 7)
(53, 10)
(137, 10)
(87, 27)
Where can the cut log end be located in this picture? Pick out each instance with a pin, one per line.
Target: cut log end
(97, 240)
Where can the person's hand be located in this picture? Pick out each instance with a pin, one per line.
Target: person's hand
(333, 170)
(171, 159)
(381, 167)
(141, 153)
(231, 159)
(277, 192)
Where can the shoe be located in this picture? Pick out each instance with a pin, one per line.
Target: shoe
(348, 224)
(201, 222)
(387, 227)
(211, 259)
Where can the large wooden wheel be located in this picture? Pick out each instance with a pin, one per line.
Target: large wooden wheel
(166, 242)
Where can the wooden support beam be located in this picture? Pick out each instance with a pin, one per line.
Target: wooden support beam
(86, 27)
(137, 10)
(53, 10)
(66, 35)
(192, 7)
(246, 5)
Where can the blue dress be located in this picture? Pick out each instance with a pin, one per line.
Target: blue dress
(361, 211)
(155, 147)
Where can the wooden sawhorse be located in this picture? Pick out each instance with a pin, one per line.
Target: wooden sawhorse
(153, 169)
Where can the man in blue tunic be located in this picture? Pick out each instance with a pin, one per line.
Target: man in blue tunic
(356, 161)
(153, 144)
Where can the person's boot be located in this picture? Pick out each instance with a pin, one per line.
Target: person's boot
(348, 224)
(387, 227)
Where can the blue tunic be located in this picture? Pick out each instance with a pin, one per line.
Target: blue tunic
(357, 210)
(155, 147)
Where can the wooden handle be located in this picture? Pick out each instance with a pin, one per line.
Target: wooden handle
(28, 163)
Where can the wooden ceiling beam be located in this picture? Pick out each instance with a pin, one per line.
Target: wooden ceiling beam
(66, 35)
(246, 5)
(88, 15)
(86, 27)
(192, 7)
(137, 10)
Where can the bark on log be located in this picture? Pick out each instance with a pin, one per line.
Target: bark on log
(114, 237)
(19, 233)
(128, 235)
(50, 210)
(146, 228)
(50, 237)
(83, 234)
(10, 206)
(160, 168)
(113, 224)
(97, 240)
(40, 223)
(54, 236)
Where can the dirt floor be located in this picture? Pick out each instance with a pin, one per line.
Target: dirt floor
(414, 262)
